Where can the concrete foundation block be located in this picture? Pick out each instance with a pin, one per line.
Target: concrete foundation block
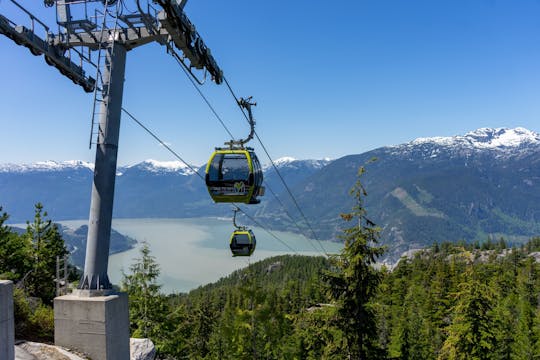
(7, 322)
(97, 326)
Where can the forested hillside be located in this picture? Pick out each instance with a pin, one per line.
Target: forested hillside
(445, 302)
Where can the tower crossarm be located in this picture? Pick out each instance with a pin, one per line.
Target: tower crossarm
(186, 38)
(54, 55)
(170, 25)
(130, 38)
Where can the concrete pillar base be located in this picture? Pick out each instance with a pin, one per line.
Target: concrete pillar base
(94, 323)
(7, 323)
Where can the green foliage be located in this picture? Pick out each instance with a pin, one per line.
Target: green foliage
(412, 335)
(472, 304)
(253, 312)
(353, 281)
(15, 254)
(317, 334)
(33, 319)
(147, 306)
(30, 261)
(151, 315)
(526, 336)
(446, 302)
(46, 245)
(473, 331)
(451, 301)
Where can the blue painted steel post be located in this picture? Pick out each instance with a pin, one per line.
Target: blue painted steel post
(99, 228)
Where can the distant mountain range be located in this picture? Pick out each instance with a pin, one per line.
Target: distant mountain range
(147, 189)
(484, 183)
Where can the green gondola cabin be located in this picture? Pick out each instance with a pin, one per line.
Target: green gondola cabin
(243, 242)
(234, 176)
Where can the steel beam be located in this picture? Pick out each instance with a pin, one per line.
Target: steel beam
(131, 38)
(99, 230)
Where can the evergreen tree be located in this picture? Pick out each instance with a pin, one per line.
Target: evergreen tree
(316, 335)
(4, 229)
(220, 344)
(412, 340)
(525, 337)
(354, 281)
(472, 335)
(174, 334)
(148, 308)
(47, 246)
(204, 318)
(15, 252)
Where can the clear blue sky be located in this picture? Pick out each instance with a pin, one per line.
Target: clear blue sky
(330, 78)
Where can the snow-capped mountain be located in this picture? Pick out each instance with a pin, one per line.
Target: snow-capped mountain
(44, 166)
(292, 169)
(483, 184)
(290, 162)
(282, 161)
(504, 141)
(150, 188)
(486, 138)
(155, 166)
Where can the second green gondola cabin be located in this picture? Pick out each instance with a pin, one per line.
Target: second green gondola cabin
(234, 176)
(243, 242)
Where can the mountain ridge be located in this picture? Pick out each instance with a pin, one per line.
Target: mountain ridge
(462, 193)
(473, 186)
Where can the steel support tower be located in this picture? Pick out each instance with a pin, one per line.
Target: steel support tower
(101, 204)
(97, 33)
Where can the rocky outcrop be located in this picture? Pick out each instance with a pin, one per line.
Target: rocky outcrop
(28, 350)
(142, 349)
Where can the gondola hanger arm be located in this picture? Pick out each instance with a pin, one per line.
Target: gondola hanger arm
(246, 104)
(235, 210)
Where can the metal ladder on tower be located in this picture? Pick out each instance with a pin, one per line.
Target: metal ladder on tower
(102, 87)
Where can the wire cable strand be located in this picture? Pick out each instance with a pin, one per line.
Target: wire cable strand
(190, 76)
(265, 229)
(300, 230)
(182, 66)
(162, 143)
(292, 196)
(277, 171)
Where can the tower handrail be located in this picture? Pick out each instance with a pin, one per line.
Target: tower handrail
(31, 16)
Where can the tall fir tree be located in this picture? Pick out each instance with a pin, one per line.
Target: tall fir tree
(472, 335)
(412, 340)
(525, 336)
(15, 252)
(354, 281)
(148, 308)
(47, 246)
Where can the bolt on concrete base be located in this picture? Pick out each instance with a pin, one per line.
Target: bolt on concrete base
(95, 323)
